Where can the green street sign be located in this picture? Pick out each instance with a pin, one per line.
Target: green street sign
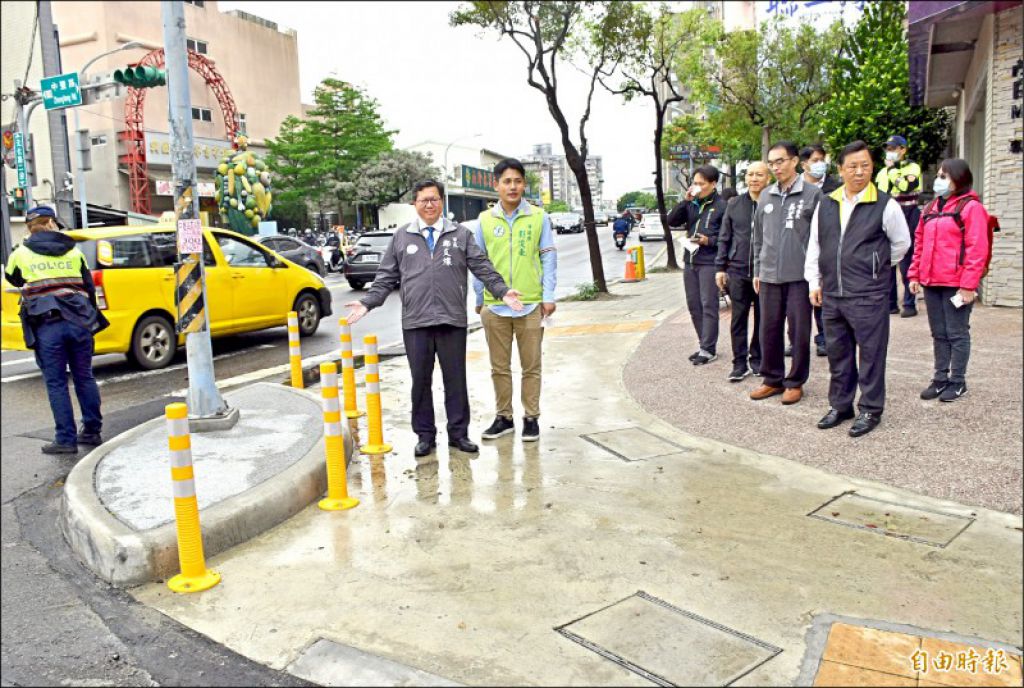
(61, 91)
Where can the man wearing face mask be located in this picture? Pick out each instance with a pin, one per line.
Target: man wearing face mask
(901, 179)
(812, 160)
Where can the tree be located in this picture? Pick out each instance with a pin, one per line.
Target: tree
(389, 178)
(774, 80)
(647, 69)
(634, 199)
(550, 33)
(312, 157)
(871, 90)
(557, 207)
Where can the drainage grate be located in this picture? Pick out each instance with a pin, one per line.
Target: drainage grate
(911, 523)
(667, 645)
(633, 444)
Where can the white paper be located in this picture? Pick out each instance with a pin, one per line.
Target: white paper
(547, 321)
(190, 236)
(690, 245)
(957, 300)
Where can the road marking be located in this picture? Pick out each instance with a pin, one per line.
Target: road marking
(142, 373)
(15, 361)
(262, 373)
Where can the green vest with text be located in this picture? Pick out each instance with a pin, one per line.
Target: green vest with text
(515, 252)
(36, 267)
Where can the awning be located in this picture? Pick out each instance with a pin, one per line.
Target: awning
(942, 35)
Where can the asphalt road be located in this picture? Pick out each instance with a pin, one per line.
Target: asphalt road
(61, 625)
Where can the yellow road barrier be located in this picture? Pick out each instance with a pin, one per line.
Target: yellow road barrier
(348, 370)
(194, 575)
(641, 264)
(374, 421)
(337, 497)
(294, 351)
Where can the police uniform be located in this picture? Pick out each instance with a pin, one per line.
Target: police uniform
(59, 316)
(902, 182)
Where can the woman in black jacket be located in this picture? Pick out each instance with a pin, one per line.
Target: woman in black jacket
(734, 267)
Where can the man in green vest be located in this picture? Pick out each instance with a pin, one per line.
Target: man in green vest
(59, 316)
(517, 239)
(901, 179)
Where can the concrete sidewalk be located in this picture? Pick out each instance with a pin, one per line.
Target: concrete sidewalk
(617, 550)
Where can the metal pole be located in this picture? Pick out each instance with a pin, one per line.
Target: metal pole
(6, 241)
(204, 399)
(80, 175)
(22, 118)
(59, 154)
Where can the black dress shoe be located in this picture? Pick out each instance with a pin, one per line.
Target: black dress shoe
(90, 439)
(463, 444)
(56, 448)
(424, 447)
(834, 418)
(865, 423)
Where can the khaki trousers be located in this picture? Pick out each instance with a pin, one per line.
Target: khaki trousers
(529, 335)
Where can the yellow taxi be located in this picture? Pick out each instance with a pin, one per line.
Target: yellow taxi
(248, 287)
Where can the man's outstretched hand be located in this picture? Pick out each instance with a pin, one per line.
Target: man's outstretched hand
(356, 311)
(511, 300)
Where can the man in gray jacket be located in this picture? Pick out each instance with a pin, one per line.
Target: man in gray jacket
(780, 232)
(430, 257)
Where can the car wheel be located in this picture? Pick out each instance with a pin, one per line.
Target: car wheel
(154, 342)
(356, 284)
(308, 309)
(314, 268)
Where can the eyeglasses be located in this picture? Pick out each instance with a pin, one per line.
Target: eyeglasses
(428, 201)
(778, 162)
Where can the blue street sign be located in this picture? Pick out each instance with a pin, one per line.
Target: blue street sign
(19, 158)
(61, 91)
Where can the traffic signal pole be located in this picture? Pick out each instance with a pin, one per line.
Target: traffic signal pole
(207, 409)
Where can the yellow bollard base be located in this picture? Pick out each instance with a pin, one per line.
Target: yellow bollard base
(328, 504)
(375, 449)
(354, 414)
(180, 583)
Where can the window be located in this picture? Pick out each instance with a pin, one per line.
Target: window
(379, 241)
(197, 46)
(287, 245)
(202, 114)
(197, 3)
(241, 123)
(165, 248)
(240, 254)
(99, 140)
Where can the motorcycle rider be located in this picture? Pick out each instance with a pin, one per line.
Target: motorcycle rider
(623, 224)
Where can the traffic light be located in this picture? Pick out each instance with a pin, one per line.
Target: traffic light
(19, 198)
(141, 77)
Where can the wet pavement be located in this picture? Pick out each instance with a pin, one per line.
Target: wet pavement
(617, 550)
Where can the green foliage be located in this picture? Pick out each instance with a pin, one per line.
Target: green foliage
(632, 199)
(557, 207)
(389, 178)
(871, 88)
(585, 291)
(311, 158)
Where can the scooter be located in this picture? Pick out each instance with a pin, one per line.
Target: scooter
(620, 240)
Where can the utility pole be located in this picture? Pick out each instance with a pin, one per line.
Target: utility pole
(61, 160)
(207, 409)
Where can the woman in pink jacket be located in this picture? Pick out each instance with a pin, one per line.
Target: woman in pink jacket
(949, 261)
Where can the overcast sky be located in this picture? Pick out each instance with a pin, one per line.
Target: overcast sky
(437, 82)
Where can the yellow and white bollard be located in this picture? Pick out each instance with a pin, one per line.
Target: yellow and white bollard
(294, 350)
(194, 575)
(348, 370)
(337, 497)
(641, 264)
(374, 421)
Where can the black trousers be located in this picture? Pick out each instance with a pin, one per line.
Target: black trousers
(448, 344)
(743, 298)
(702, 302)
(912, 213)
(781, 304)
(951, 334)
(857, 340)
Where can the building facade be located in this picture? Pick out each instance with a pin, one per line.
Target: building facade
(558, 182)
(257, 61)
(967, 55)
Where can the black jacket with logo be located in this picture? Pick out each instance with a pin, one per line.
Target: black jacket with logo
(735, 250)
(704, 217)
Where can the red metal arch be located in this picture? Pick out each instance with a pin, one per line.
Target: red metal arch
(134, 114)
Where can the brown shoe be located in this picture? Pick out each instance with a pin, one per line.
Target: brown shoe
(764, 391)
(792, 395)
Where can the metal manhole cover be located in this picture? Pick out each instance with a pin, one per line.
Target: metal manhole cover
(633, 444)
(911, 523)
(667, 645)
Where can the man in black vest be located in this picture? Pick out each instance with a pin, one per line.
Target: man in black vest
(857, 234)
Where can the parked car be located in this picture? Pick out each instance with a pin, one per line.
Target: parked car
(651, 228)
(361, 266)
(296, 251)
(248, 287)
(564, 223)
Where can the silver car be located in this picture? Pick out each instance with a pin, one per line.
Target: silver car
(296, 251)
(651, 228)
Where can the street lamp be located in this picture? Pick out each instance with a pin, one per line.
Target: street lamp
(131, 45)
(446, 177)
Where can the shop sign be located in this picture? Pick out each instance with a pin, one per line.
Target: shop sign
(206, 152)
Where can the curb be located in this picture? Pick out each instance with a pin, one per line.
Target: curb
(125, 557)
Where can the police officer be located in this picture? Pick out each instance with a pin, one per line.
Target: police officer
(901, 179)
(59, 316)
